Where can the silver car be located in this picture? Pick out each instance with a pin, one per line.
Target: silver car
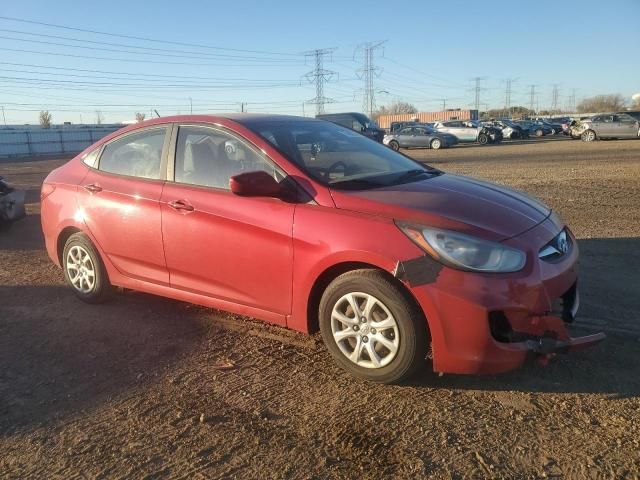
(610, 125)
(419, 136)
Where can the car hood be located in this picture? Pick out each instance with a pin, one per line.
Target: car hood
(451, 201)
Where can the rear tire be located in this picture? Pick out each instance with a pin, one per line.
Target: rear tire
(588, 136)
(483, 139)
(371, 327)
(84, 271)
(436, 144)
(539, 132)
(393, 145)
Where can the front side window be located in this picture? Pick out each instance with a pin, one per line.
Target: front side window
(337, 157)
(135, 155)
(209, 157)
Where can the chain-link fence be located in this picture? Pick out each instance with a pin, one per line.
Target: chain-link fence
(30, 141)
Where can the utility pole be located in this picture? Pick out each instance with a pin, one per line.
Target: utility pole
(3, 117)
(190, 106)
(242, 107)
(444, 104)
(367, 73)
(554, 98)
(319, 76)
(532, 96)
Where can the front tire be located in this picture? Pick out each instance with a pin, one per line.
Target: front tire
(393, 145)
(371, 327)
(539, 132)
(84, 271)
(436, 144)
(483, 139)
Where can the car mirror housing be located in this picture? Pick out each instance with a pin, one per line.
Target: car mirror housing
(255, 184)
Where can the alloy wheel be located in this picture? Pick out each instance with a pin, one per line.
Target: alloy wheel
(81, 270)
(365, 330)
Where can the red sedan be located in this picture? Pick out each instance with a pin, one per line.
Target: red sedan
(309, 225)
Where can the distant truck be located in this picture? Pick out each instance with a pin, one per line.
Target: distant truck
(358, 122)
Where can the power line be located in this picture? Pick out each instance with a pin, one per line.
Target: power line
(176, 54)
(152, 49)
(146, 39)
(136, 60)
(318, 76)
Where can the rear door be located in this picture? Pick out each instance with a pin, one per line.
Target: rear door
(120, 202)
(626, 126)
(404, 137)
(233, 248)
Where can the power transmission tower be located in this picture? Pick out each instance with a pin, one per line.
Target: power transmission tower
(367, 73)
(507, 95)
(532, 97)
(572, 101)
(554, 98)
(319, 76)
(477, 91)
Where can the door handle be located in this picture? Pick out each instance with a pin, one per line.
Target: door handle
(93, 188)
(181, 205)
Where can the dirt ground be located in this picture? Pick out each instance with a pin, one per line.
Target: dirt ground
(144, 387)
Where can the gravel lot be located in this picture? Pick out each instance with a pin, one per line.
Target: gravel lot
(148, 387)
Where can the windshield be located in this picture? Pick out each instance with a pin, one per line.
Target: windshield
(339, 157)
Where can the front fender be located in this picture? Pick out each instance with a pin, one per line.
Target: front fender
(325, 237)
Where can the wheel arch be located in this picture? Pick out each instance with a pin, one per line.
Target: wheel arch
(334, 271)
(62, 240)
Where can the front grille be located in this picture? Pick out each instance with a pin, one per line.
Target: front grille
(557, 248)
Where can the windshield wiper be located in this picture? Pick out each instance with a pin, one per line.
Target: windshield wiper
(355, 184)
(415, 173)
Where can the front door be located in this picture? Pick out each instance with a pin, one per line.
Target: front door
(216, 243)
(120, 203)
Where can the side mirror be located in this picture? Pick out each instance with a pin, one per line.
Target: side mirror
(255, 184)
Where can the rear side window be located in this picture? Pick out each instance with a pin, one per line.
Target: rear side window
(135, 155)
(209, 157)
(91, 157)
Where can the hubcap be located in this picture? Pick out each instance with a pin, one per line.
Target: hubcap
(365, 330)
(80, 269)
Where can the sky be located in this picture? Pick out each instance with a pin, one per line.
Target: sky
(220, 56)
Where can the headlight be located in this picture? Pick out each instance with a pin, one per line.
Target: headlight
(464, 252)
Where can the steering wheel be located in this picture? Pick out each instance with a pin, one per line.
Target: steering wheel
(333, 167)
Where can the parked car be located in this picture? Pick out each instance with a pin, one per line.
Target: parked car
(610, 125)
(534, 128)
(11, 204)
(419, 136)
(391, 259)
(575, 129)
(553, 127)
(509, 129)
(470, 131)
(357, 122)
(395, 126)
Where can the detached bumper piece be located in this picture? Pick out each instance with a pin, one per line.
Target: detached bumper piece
(11, 206)
(548, 346)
